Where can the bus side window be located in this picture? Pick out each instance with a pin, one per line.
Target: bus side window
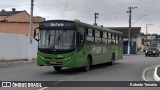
(121, 39)
(89, 36)
(104, 39)
(118, 39)
(97, 37)
(101, 36)
(113, 39)
(86, 31)
(109, 38)
(90, 32)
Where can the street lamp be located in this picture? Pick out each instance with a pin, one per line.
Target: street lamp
(95, 17)
(139, 18)
(147, 31)
(134, 23)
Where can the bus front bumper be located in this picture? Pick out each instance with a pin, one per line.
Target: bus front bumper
(63, 62)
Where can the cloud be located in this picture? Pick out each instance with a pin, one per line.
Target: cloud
(112, 12)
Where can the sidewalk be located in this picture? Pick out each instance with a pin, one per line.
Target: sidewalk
(3, 62)
(140, 53)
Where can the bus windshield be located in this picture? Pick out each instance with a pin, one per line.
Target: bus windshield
(57, 39)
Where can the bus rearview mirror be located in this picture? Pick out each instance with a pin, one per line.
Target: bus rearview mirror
(35, 34)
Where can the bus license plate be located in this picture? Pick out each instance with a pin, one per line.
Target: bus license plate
(53, 62)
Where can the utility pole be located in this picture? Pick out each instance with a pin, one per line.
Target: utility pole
(129, 29)
(95, 17)
(30, 32)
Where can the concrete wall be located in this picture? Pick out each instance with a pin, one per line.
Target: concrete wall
(139, 42)
(15, 46)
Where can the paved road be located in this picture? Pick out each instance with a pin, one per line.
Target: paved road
(129, 68)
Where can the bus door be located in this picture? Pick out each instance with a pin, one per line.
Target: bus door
(80, 39)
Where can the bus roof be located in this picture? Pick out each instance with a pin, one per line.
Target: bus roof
(88, 25)
(97, 27)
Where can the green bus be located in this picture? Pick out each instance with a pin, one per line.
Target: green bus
(66, 43)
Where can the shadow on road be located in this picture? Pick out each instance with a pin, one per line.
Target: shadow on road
(71, 71)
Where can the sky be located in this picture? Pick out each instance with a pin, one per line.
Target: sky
(112, 13)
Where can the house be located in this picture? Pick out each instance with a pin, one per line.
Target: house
(17, 22)
(14, 30)
(136, 39)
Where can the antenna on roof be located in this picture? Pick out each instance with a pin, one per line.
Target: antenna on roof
(3, 10)
(13, 9)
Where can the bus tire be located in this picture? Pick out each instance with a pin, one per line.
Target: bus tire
(57, 68)
(88, 64)
(112, 59)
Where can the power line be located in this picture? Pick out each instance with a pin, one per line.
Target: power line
(14, 6)
(139, 19)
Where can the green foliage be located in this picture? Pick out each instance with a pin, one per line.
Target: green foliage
(158, 71)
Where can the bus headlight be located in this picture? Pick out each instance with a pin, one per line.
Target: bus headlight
(41, 57)
(68, 58)
(65, 59)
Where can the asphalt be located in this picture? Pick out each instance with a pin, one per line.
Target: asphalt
(147, 74)
(130, 68)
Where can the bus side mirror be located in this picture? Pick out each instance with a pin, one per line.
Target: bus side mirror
(35, 34)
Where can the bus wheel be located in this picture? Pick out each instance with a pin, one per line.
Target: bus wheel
(57, 68)
(88, 64)
(112, 60)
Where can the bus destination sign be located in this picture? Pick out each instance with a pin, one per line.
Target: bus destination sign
(58, 24)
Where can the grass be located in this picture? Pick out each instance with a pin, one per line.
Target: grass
(158, 71)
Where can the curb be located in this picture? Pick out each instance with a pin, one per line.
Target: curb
(156, 77)
(144, 73)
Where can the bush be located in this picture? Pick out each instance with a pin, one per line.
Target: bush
(158, 71)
